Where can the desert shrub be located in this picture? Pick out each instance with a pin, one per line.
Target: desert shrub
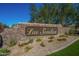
(21, 44)
(28, 48)
(50, 40)
(66, 33)
(26, 43)
(38, 40)
(11, 42)
(61, 39)
(51, 37)
(30, 41)
(4, 52)
(64, 39)
(42, 44)
(72, 30)
(63, 35)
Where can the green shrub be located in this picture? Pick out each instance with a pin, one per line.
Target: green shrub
(42, 44)
(4, 52)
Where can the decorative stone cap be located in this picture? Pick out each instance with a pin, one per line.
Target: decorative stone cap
(40, 24)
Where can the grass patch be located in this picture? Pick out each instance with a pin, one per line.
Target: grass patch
(72, 50)
(4, 52)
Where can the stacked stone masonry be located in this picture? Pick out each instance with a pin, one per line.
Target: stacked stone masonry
(18, 31)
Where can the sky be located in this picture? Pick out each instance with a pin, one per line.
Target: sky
(14, 13)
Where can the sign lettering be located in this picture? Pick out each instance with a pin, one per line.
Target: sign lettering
(34, 30)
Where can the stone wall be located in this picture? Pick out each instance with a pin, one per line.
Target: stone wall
(18, 31)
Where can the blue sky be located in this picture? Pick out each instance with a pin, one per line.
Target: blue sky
(14, 13)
